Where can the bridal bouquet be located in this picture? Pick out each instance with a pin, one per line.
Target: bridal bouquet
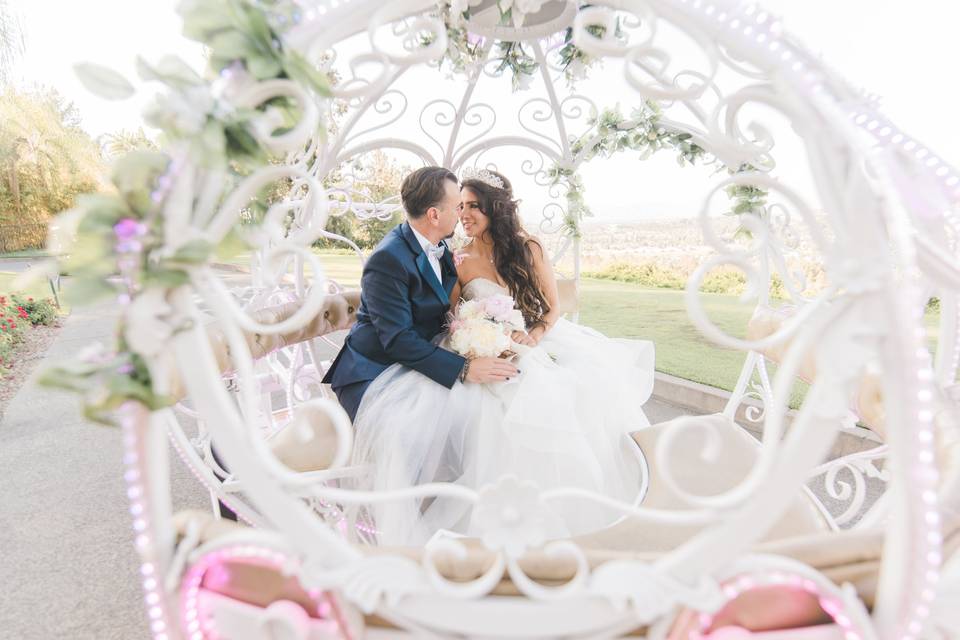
(481, 328)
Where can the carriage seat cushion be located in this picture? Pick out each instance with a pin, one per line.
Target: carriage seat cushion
(867, 401)
(737, 454)
(339, 311)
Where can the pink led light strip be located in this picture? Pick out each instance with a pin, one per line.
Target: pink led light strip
(199, 624)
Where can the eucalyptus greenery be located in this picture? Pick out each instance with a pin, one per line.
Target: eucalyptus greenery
(463, 50)
(610, 133)
(115, 242)
(574, 61)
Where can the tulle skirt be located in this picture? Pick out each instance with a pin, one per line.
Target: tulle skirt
(562, 422)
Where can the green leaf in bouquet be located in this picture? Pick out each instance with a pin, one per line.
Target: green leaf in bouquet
(213, 143)
(255, 24)
(240, 142)
(204, 17)
(300, 69)
(232, 45)
(100, 211)
(166, 277)
(123, 388)
(91, 256)
(263, 66)
(171, 70)
(193, 252)
(103, 81)
(135, 176)
(62, 377)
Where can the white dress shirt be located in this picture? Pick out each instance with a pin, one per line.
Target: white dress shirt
(426, 245)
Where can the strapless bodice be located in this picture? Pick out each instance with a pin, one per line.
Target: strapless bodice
(480, 288)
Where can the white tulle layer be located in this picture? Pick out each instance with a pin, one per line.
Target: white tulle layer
(560, 423)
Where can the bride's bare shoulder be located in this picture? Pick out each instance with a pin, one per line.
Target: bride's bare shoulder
(463, 260)
(536, 246)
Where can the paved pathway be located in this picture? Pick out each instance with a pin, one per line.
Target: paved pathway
(68, 564)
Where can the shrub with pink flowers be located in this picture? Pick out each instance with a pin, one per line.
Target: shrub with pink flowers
(37, 310)
(18, 314)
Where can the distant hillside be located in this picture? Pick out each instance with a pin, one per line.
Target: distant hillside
(675, 244)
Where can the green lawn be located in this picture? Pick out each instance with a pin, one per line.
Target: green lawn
(344, 268)
(624, 310)
(26, 253)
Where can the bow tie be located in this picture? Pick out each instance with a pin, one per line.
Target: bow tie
(436, 251)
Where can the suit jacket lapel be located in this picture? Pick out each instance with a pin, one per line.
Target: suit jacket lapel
(423, 264)
(449, 271)
(426, 271)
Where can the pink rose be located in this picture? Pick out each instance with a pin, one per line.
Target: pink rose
(499, 307)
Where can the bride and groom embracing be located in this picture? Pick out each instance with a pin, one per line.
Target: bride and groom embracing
(556, 415)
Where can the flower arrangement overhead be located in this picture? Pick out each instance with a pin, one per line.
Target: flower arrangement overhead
(465, 50)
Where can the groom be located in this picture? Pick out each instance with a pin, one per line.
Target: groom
(405, 295)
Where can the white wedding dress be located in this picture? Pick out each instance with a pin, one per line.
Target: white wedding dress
(562, 422)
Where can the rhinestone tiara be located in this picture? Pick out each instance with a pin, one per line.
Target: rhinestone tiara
(473, 173)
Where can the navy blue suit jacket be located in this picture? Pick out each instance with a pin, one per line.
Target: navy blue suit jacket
(402, 308)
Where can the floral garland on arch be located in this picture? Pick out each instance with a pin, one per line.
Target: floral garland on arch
(123, 244)
(611, 132)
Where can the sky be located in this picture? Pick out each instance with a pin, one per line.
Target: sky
(905, 55)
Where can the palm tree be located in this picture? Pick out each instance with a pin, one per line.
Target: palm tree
(11, 40)
(120, 142)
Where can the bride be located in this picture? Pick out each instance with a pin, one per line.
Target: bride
(561, 422)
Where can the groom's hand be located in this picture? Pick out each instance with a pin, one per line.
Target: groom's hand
(490, 370)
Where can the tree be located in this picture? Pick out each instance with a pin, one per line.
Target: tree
(372, 179)
(120, 142)
(11, 41)
(46, 160)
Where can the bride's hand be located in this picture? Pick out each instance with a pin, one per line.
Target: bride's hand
(522, 337)
(491, 370)
(536, 334)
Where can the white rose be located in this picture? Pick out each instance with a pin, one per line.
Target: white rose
(480, 338)
(576, 70)
(523, 81)
(469, 310)
(489, 340)
(147, 330)
(516, 321)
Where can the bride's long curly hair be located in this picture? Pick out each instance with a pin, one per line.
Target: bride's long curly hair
(512, 253)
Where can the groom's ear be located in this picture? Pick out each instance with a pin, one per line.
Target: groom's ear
(432, 214)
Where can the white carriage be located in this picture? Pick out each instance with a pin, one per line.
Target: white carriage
(727, 522)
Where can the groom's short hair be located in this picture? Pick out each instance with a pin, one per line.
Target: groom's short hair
(424, 188)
